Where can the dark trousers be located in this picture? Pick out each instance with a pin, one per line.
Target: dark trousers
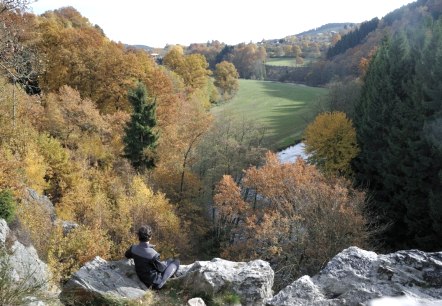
(172, 267)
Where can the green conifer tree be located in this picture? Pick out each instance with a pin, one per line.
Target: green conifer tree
(428, 92)
(398, 162)
(141, 138)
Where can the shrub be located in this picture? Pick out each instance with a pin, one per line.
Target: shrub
(68, 253)
(7, 205)
(36, 221)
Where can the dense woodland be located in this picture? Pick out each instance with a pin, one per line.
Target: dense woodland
(115, 140)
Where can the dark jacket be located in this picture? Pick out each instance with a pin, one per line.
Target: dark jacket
(147, 263)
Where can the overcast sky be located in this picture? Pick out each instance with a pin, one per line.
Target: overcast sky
(161, 22)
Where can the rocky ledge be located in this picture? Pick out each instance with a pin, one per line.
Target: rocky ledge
(100, 280)
(358, 277)
(353, 277)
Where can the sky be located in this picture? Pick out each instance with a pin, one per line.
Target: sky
(161, 22)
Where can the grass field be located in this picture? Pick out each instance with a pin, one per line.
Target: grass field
(281, 61)
(284, 109)
(285, 62)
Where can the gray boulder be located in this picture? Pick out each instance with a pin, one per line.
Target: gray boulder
(99, 281)
(251, 281)
(196, 302)
(23, 260)
(355, 277)
(67, 226)
(31, 197)
(24, 266)
(4, 232)
(404, 301)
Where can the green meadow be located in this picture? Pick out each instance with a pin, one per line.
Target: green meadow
(281, 61)
(286, 61)
(283, 108)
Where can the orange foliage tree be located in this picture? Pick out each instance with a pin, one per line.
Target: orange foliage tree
(288, 214)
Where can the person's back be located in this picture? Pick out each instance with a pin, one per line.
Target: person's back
(150, 270)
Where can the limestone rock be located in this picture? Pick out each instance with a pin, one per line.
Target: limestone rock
(196, 302)
(31, 197)
(403, 301)
(252, 281)
(99, 280)
(24, 260)
(4, 231)
(26, 264)
(355, 276)
(68, 226)
(23, 263)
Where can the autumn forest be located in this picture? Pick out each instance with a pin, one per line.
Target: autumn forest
(116, 138)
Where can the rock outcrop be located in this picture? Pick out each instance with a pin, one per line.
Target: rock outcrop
(31, 197)
(196, 302)
(251, 281)
(24, 260)
(355, 277)
(24, 265)
(99, 280)
(4, 231)
(404, 301)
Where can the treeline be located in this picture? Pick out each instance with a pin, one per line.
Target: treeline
(249, 59)
(399, 122)
(353, 38)
(397, 111)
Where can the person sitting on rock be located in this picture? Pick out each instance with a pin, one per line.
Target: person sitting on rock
(150, 270)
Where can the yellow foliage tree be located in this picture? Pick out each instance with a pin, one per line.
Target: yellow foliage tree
(226, 79)
(193, 68)
(61, 172)
(143, 206)
(35, 169)
(36, 221)
(67, 253)
(330, 140)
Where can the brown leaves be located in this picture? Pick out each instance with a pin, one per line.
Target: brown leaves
(289, 214)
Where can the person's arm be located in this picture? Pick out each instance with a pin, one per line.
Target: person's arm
(160, 266)
(128, 253)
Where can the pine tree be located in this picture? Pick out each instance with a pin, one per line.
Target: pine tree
(428, 93)
(375, 166)
(141, 138)
(398, 129)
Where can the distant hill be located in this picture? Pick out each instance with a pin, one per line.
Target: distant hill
(143, 47)
(358, 45)
(329, 27)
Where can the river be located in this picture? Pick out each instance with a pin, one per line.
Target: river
(290, 154)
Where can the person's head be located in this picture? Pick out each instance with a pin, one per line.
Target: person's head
(144, 233)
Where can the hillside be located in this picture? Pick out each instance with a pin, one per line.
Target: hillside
(349, 61)
(329, 27)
